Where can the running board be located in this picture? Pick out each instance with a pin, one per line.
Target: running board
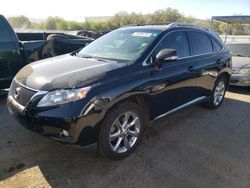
(181, 107)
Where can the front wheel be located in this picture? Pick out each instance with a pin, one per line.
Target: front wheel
(121, 131)
(217, 96)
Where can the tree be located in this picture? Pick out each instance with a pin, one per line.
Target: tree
(50, 23)
(74, 26)
(163, 16)
(19, 22)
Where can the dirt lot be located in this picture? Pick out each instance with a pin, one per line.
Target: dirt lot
(196, 147)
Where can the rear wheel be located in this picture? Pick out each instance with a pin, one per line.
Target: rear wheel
(121, 131)
(217, 96)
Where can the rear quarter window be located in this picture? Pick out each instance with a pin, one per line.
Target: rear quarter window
(200, 43)
(217, 47)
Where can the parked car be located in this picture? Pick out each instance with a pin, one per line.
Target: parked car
(90, 34)
(240, 63)
(84, 33)
(27, 35)
(15, 54)
(110, 90)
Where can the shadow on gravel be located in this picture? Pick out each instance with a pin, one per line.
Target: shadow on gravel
(196, 147)
(240, 90)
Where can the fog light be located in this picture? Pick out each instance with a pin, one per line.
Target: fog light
(65, 133)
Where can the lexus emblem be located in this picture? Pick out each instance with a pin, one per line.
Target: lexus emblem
(17, 92)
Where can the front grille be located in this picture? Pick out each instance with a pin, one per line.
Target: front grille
(24, 94)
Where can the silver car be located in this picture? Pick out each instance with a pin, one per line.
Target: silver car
(241, 63)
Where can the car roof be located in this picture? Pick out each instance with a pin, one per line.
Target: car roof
(174, 25)
(168, 26)
(146, 27)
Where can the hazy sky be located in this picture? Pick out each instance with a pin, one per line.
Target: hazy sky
(79, 9)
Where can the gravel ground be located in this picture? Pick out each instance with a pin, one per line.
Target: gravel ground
(196, 147)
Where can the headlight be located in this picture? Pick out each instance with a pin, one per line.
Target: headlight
(63, 96)
(244, 70)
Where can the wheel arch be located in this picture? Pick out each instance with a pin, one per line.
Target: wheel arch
(139, 99)
(226, 75)
(90, 134)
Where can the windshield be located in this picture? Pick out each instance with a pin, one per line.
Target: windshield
(124, 45)
(239, 49)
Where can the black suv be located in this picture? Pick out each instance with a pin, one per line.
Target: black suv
(108, 91)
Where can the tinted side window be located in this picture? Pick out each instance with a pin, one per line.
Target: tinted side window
(177, 41)
(217, 47)
(5, 35)
(200, 43)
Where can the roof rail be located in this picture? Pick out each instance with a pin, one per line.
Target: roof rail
(173, 24)
(156, 23)
(178, 24)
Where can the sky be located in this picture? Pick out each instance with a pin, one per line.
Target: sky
(79, 9)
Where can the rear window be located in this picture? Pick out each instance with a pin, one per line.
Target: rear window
(200, 43)
(5, 35)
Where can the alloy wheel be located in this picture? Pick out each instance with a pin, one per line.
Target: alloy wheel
(219, 93)
(124, 132)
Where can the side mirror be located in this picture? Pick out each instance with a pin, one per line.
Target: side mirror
(166, 55)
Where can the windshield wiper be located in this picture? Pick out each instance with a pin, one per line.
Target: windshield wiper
(86, 56)
(104, 60)
(97, 58)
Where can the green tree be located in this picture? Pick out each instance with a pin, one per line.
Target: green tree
(163, 16)
(50, 23)
(19, 22)
(74, 26)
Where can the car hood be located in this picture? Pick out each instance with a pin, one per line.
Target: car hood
(65, 71)
(238, 62)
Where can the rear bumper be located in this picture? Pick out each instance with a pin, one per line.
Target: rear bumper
(240, 80)
(79, 130)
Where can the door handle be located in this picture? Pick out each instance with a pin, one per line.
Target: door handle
(159, 87)
(191, 68)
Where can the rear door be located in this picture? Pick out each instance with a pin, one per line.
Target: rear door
(8, 53)
(174, 83)
(206, 59)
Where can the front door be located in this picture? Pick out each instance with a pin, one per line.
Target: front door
(175, 83)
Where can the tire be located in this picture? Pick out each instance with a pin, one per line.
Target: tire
(218, 94)
(118, 139)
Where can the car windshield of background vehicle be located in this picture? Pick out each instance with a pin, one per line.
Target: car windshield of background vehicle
(241, 50)
(123, 45)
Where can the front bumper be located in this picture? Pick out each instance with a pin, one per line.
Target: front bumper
(240, 80)
(80, 130)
